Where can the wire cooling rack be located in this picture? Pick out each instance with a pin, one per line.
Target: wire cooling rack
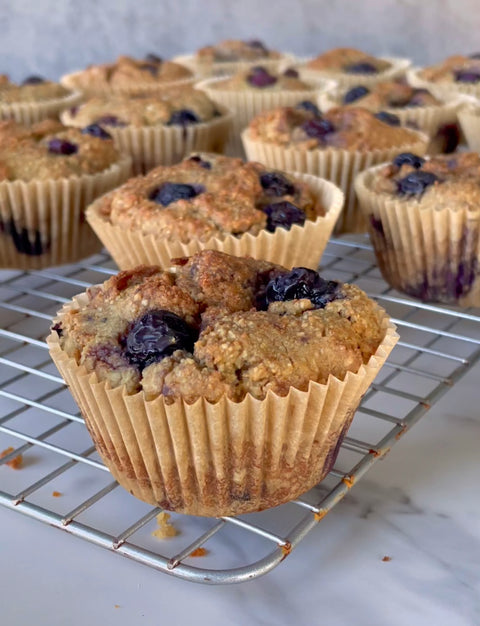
(63, 482)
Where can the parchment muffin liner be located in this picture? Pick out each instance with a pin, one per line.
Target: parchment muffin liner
(71, 81)
(469, 118)
(42, 223)
(397, 68)
(339, 166)
(218, 459)
(227, 68)
(150, 146)
(441, 89)
(300, 246)
(246, 104)
(432, 255)
(428, 119)
(31, 112)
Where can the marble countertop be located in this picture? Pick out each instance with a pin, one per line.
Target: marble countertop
(420, 506)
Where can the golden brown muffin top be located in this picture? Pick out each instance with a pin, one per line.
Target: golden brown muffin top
(173, 106)
(50, 150)
(394, 94)
(221, 326)
(209, 195)
(445, 181)
(304, 127)
(33, 89)
(232, 50)
(348, 60)
(259, 78)
(455, 69)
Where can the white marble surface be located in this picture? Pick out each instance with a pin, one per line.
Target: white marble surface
(51, 38)
(420, 506)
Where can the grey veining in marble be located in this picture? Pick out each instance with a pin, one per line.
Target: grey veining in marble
(52, 37)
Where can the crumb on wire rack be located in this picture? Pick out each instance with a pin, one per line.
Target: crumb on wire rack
(16, 462)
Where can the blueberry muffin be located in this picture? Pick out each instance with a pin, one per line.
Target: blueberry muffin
(211, 200)
(128, 76)
(336, 145)
(48, 174)
(213, 345)
(157, 130)
(34, 99)
(424, 222)
(398, 103)
(349, 66)
(456, 74)
(258, 89)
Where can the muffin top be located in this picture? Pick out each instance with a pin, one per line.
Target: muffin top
(125, 71)
(259, 78)
(447, 181)
(348, 60)
(32, 89)
(387, 95)
(208, 195)
(455, 69)
(174, 106)
(50, 150)
(220, 326)
(304, 127)
(233, 50)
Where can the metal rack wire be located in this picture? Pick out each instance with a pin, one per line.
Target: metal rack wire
(39, 420)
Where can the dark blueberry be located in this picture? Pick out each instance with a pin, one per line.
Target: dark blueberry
(408, 158)
(73, 111)
(317, 128)
(415, 183)
(33, 80)
(475, 55)
(171, 192)
(205, 164)
(299, 283)
(152, 68)
(355, 93)
(377, 225)
(96, 131)
(256, 43)
(388, 118)
(183, 117)
(291, 73)
(153, 58)
(308, 105)
(417, 98)
(23, 243)
(260, 77)
(467, 76)
(62, 146)
(110, 120)
(58, 329)
(156, 335)
(283, 215)
(449, 134)
(361, 68)
(275, 184)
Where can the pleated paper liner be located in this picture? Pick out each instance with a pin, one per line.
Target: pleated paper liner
(150, 146)
(469, 118)
(249, 103)
(227, 68)
(218, 459)
(397, 68)
(300, 246)
(441, 89)
(339, 166)
(31, 112)
(42, 223)
(428, 119)
(432, 255)
(75, 79)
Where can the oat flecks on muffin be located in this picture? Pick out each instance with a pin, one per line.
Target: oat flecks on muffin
(349, 128)
(388, 94)
(221, 325)
(182, 106)
(49, 150)
(32, 89)
(233, 50)
(440, 182)
(348, 60)
(207, 196)
(262, 79)
(455, 69)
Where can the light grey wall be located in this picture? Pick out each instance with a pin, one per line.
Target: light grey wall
(50, 37)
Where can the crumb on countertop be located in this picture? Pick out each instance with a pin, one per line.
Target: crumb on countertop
(56, 494)
(199, 552)
(386, 559)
